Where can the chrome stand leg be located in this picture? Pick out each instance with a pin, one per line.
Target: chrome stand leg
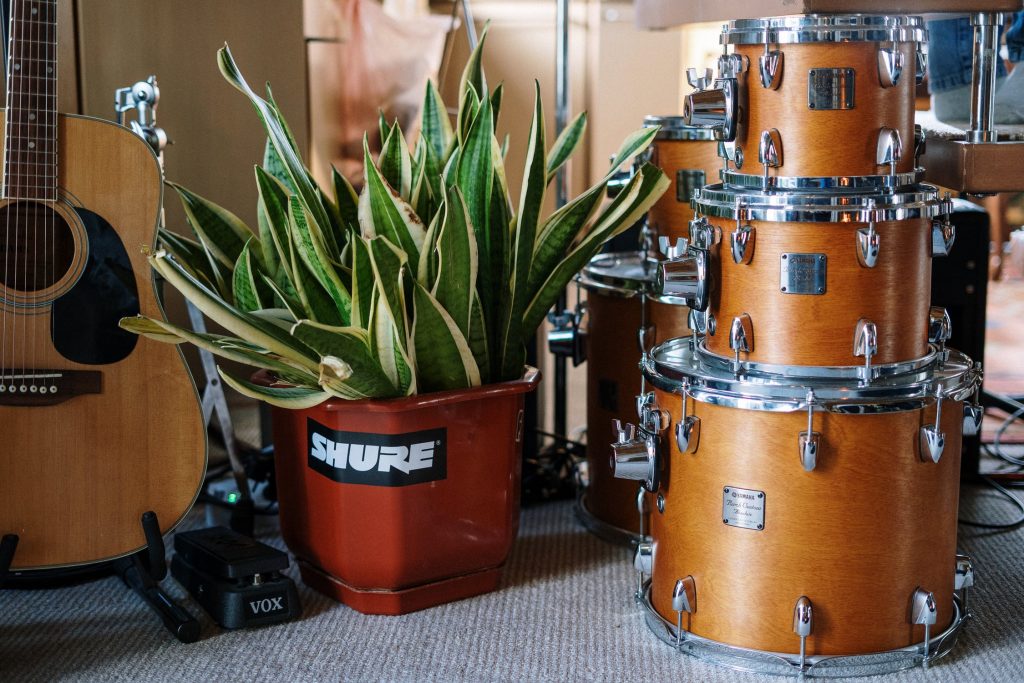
(983, 79)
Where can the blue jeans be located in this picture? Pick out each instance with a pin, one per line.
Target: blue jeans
(951, 50)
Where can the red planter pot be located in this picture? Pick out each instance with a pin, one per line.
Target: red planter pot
(391, 506)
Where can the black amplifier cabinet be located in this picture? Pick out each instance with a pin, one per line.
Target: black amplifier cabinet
(960, 285)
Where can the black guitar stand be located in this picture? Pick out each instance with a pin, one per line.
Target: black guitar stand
(141, 571)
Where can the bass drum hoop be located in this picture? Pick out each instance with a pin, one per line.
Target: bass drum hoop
(675, 128)
(824, 28)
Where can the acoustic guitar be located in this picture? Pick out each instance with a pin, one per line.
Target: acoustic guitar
(96, 426)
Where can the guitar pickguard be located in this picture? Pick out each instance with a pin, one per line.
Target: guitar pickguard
(83, 322)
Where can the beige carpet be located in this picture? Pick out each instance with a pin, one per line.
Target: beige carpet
(565, 613)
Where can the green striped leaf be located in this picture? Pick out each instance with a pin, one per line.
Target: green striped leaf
(363, 280)
(477, 339)
(383, 213)
(457, 261)
(566, 144)
(427, 274)
(435, 127)
(309, 243)
(244, 283)
(282, 396)
(222, 232)
(191, 255)
(347, 200)
(475, 180)
(395, 163)
(351, 345)
(272, 212)
(388, 262)
(443, 358)
(473, 77)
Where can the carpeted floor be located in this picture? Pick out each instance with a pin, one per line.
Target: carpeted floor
(565, 613)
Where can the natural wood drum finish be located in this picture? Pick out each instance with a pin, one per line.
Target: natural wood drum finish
(671, 214)
(613, 382)
(77, 476)
(857, 535)
(813, 329)
(826, 142)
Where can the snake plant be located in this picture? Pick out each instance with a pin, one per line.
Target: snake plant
(430, 278)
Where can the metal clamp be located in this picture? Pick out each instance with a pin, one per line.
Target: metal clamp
(933, 439)
(635, 455)
(770, 67)
(983, 77)
(889, 149)
(865, 343)
(803, 623)
(569, 337)
(809, 442)
(890, 65)
(716, 108)
(688, 428)
(684, 599)
(686, 278)
(923, 611)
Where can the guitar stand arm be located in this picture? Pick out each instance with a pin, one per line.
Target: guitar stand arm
(143, 571)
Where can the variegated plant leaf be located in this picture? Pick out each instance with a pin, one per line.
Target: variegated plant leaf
(347, 200)
(435, 126)
(457, 261)
(443, 357)
(566, 144)
(247, 282)
(383, 213)
(309, 243)
(351, 345)
(281, 396)
(395, 162)
(222, 232)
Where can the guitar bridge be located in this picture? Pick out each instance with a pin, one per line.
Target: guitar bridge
(47, 387)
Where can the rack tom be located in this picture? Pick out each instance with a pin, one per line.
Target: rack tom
(797, 281)
(816, 101)
(804, 517)
(689, 158)
(615, 313)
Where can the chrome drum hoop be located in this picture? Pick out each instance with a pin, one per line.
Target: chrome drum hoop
(602, 529)
(828, 372)
(674, 128)
(675, 367)
(856, 183)
(824, 28)
(622, 274)
(816, 666)
(916, 201)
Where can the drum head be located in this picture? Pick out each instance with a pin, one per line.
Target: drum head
(824, 28)
(619, 274)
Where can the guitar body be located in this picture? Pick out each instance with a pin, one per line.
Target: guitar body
(96, 426)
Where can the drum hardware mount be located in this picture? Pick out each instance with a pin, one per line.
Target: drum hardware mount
(923, 611)
(933, 439)
(684, 599)
(723, 154)
(868, 245)
(830, 89)
(865, 343)
(770, 67)
(660, 502)
(641, 507)
(889, 149)
(635, 455)
(810, 441)
(769, 153)
(890, 65)
(741, 338)
(974, 412)
(643, 562)
(738, 157)
(803, 624)
(686, 278)
(717, 107)
(920, 143)
(920, 65)
(688, 428)
(963, 580)
(943, 234)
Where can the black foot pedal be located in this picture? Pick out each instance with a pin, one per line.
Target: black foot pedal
(236, 579)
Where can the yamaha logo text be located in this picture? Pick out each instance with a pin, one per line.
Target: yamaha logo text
(377, 459)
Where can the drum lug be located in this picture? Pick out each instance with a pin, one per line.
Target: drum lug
(923, 611)
(890, 65)
(933, 440)
(686, 278)
(769, 153)
(687, 430)
(889, 150)
(868, 244)
(920, 142)
(635, 456)
(643, 558)
(920, 65)
(741, 337)
(940, 329)
(803, 624)
(963, 579)
(809, 441)
(742, 242)
(973, 414)
(943, 236)
(770, 66)
(569, 337)
(865, 343)
(684, 599)
(703, 235)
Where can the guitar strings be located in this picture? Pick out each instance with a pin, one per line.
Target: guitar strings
(39, 96)
(9, 193)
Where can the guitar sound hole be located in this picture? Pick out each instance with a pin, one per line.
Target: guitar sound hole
(36, 246)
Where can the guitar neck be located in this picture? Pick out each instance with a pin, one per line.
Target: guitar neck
(30, 156)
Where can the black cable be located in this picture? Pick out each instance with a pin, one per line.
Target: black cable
(204, 497)
(989, 525)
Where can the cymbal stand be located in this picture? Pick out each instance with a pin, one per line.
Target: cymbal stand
(144, 97)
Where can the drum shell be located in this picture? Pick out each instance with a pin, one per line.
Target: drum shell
(671, 214)
(826, 143)
(857, 535)
(613, 383)
(812, 329)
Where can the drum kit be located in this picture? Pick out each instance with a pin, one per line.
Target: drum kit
(797, 445)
